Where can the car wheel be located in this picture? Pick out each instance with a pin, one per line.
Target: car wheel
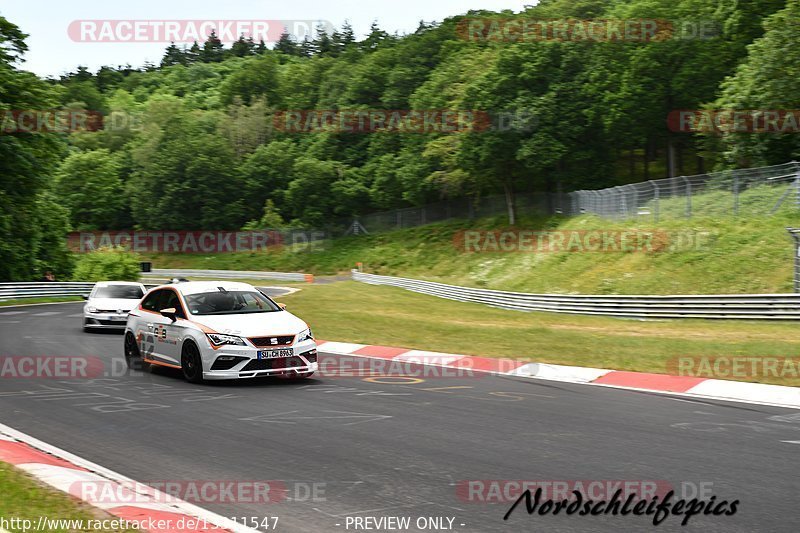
(191, 363)
(133, 357)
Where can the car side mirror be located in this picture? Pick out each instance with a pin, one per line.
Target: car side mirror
(282, 306)
(170, 313)
(85, 296)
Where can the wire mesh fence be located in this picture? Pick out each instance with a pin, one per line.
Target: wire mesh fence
(747, 192)
(761, 191)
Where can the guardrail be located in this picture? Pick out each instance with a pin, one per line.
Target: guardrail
(229, 274)
(44, 289)
(720, 306)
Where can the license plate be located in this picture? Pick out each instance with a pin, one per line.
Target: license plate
(272, 354)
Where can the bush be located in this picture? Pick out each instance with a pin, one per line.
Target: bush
(106, 264)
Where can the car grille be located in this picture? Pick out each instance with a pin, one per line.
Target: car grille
(226, 365)
(267, 342)
(273, 364)
(110, 322)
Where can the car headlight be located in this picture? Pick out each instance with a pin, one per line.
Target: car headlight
(91, 308)
(305, 335)
(218, 339)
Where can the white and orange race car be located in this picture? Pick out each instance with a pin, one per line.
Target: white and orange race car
(218, 330)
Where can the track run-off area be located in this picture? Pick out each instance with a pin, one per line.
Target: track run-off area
(442, 448)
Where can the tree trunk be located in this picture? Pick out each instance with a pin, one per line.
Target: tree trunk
(631, 163)
(512, 216)
(670, 157)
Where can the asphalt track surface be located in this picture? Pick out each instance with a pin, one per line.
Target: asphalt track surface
(398, 449)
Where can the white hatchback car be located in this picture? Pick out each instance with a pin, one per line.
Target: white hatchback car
(108, 304)
(218, 330)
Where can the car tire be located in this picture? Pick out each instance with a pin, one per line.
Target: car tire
(191, 363)
(133, 357)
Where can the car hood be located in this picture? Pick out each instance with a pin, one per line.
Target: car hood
(254, 324)
(113, 304)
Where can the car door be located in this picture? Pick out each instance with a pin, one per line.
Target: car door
(168, 335)
(150, 326)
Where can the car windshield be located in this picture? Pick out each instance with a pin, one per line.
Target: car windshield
(128, 292)
(230, 303)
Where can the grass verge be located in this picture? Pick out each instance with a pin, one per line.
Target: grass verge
(25, 498)
(366, 314)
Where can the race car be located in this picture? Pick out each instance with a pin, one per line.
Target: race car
(108, 304)
(218, 330)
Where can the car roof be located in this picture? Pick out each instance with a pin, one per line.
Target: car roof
(109, 283)
(196, 287)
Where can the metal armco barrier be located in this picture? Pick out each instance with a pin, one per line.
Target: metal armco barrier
(44, 289)
(230, 274)
(726, 306)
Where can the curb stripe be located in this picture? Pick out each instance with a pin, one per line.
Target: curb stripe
(715, 389)
(62, 470)
(642, 380)
(18, 453)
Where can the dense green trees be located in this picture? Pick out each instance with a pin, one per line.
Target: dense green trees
(201, 142)
(28, 221)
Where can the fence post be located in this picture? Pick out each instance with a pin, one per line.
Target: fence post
(796, 185)
(623, 203)
(399, 219)
(688, 197)
(795, 233)
(735, 195)
(656, 202)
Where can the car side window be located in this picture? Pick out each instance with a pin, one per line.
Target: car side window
(171, 300)
(151, 301)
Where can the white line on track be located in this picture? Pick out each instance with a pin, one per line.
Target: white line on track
(13, 313)
(47, 313)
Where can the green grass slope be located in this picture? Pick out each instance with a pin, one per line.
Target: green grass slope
(735, 255)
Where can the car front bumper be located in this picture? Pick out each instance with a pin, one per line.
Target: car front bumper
(105, 320)
(248, 365)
